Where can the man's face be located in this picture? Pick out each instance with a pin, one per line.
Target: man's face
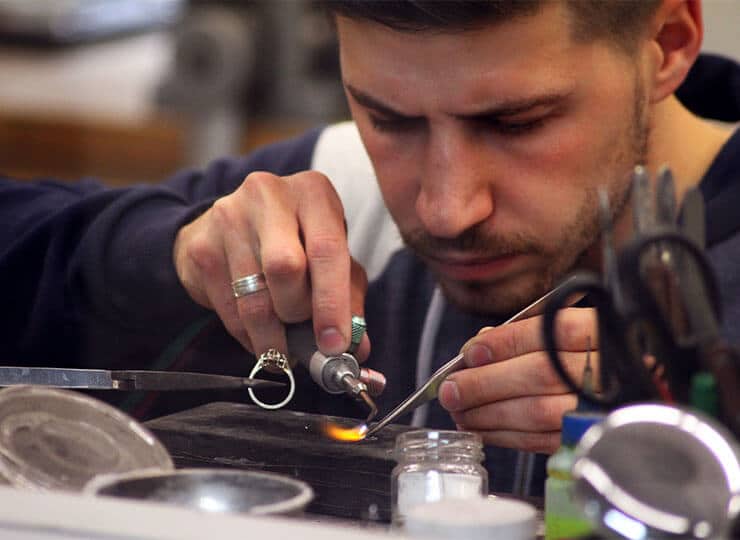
(490, 146)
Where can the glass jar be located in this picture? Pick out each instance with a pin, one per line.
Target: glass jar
(434, 466)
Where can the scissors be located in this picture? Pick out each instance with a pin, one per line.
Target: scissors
(658, 298)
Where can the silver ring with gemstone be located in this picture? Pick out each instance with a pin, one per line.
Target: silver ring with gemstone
(275, 359)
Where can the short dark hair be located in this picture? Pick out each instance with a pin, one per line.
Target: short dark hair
(621, 22)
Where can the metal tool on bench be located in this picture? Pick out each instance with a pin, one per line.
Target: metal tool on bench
(428, 391)
(103, 379)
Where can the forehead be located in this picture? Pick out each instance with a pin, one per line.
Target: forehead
(528, 51)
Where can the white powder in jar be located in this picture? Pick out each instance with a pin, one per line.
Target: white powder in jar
(422, 487)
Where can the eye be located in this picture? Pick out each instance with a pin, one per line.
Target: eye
(395, 124)
(516, 127)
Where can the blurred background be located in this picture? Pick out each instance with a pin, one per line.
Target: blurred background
(130, 91)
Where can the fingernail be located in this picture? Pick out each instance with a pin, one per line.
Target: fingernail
(449, 395)
(331, 341)
(478, 355)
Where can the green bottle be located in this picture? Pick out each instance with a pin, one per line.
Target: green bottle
(703, 393)
(563, 517)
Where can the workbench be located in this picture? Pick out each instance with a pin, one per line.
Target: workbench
(350, 480)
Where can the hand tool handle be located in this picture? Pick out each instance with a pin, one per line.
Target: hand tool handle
(327, 371)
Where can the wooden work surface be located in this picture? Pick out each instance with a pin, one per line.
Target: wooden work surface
(350, 480)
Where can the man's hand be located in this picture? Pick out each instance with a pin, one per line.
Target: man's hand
(510, 393)
(291, 229)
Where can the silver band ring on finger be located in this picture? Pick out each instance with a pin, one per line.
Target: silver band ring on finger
(276, 359)
(249, 284)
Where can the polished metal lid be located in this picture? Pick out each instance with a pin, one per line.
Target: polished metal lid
(60, 439)
(656, 470)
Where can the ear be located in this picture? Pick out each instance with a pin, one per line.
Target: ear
(677, 33)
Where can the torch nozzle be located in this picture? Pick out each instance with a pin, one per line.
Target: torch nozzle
(365, 396)
(360, 391)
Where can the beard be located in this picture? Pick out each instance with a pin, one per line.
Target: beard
(576, 239)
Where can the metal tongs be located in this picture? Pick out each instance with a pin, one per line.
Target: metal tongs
(103, 379)
(428, 391)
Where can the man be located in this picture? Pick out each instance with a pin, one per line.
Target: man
(490, 127)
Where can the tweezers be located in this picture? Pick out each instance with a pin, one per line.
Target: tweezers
(428, 391)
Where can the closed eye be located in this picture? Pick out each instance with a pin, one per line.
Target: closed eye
(395, 124)
(514, 127)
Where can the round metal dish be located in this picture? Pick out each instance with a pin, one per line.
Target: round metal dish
(210, 490)
(60, 439)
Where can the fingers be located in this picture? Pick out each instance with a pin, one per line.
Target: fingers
(527, 375)
(198, 251)
(575, 330)
(325, 239)
(358, 289)
(276, 242)
(528, 414)
(511, 394)
(255, 311)
(300, 241)
(529, 423)
(291, 230)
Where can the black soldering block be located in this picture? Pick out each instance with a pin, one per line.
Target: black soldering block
(349, 479)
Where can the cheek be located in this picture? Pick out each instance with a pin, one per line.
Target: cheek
(591, 149)
(564, 166)
(400, 192)
(574, 151)
(397, 172)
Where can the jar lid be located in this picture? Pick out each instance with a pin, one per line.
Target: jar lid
(473, 519)
(576, 423)
(431, 443)
(61, 439)
(428, 438)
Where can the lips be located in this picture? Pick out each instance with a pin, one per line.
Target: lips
(474, 269)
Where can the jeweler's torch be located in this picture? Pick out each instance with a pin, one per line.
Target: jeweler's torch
(339, 374)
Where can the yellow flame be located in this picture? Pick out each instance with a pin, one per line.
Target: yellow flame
(339, 433)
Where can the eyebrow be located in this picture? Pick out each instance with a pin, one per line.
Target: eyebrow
(366, 100)
(506, 108)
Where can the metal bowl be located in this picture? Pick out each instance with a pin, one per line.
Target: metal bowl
(210, 490)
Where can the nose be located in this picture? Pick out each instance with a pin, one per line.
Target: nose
(456, 190)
